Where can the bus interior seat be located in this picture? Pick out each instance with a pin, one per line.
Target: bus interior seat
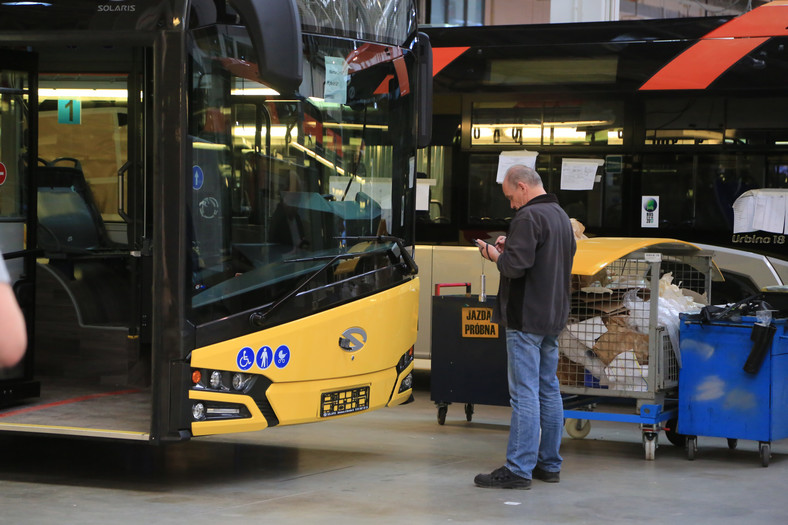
(303, 220)
(359, 217)
(73, 236)
(68, 218)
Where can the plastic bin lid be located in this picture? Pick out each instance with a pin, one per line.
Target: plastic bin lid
(595, 253)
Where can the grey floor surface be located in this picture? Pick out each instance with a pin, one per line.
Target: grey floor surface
(393, 466)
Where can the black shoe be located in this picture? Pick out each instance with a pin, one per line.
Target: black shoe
(547, 477)
(502, 478)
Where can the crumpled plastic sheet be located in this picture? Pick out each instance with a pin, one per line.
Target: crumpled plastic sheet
(625, 373)
(672, 302)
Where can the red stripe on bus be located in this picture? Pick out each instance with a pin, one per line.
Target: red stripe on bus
(764, 21)
(443, 56)
(716, 52)
(67, 401)
(701, 64)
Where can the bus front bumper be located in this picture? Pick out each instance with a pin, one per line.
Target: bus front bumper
(291, 403)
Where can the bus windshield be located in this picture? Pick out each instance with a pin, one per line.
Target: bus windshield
(281, 183)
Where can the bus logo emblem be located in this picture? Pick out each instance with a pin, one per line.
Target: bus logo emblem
(353, 339)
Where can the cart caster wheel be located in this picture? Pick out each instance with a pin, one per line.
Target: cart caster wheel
(650, 445)
(442, 414)
(692, 447)
(732, 443)
(469, 411)
(577, 428)
(766, 453)
(679, 440)
(651, 449)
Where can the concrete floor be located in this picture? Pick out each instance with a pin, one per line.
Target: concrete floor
(391, 466)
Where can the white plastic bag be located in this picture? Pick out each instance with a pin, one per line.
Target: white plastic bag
(671, 303)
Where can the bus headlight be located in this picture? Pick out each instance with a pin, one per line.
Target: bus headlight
(215, 410)
(407, 383)
(198, 411)
(223, 412)
(222, 381)
(239, 381)
(216, 380)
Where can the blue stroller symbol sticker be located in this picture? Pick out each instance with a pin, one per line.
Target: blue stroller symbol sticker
(282, 356)
(265, 356)
(245, 358)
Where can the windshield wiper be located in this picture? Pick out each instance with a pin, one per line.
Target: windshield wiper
(258, 318)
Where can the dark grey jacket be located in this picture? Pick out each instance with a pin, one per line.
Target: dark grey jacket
(536, 267)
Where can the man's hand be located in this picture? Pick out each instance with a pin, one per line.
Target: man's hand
(489, 251)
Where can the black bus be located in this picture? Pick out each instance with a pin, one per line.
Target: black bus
(676, 119)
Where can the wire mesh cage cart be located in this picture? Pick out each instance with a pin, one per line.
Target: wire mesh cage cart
(619, 353)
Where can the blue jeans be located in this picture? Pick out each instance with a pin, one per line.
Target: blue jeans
(536, 403)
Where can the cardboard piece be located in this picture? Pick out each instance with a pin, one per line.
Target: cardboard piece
(620, 338)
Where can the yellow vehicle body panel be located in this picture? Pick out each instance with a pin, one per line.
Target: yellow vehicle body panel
(595, 253)
(301, 401)
(316, 363)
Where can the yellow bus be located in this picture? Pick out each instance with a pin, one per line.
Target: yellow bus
(207, 208)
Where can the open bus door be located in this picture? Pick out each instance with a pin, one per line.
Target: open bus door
(74, 143)
(17, 155)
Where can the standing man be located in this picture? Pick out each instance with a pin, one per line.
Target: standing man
(13, 334)
(535, 262)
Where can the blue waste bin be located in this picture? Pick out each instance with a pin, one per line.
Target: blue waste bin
(718, 398)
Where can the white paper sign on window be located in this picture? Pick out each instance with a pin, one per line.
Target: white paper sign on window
(743, 212)
(507, 159)
(579, 174)
(335, 89)
(423, 193)
(761, 210)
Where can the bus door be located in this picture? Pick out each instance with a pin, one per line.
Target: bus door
(17, 154)
(92, 232)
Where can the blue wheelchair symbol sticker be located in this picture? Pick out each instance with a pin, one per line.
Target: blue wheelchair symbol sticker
(282, 356)
(265, 356)
(245, 358)
(198, 177)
